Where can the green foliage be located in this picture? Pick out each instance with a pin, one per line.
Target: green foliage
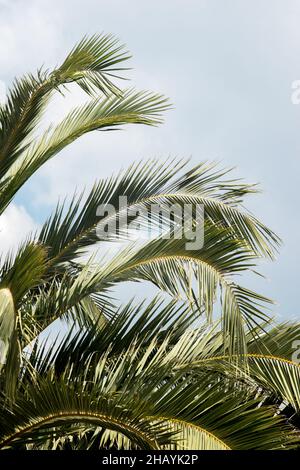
(200, 368)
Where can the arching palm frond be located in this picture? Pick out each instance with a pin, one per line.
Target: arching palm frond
(170, 404)
(169, 266)
(129, 108)
(88, 64)
(270, 364)
(69, 231)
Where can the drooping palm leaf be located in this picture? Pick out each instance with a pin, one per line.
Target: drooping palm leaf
(68, 232)
(218, 415)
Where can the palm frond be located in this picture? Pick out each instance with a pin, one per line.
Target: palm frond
(68, 232)
(172, 268)
(92, 62)
(130, 108)
(89, 64)
(222, 415)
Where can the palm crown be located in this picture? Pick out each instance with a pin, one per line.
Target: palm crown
(202, 367)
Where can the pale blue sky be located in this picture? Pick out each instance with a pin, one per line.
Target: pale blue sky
(228, 67)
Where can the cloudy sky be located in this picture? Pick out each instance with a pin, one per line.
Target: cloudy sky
(228, 67)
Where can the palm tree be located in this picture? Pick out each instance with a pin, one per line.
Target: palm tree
(199, 367)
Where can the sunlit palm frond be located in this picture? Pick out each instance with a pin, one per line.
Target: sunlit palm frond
(88, 64)
(71, 230)
(219, 415)
(129, 108)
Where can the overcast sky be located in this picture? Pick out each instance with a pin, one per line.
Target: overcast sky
(228, 67)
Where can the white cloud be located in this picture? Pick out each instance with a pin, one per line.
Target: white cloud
(2, 92)
(15, 225)
(28, 32)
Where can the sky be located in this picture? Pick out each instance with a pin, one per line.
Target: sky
(228, 67)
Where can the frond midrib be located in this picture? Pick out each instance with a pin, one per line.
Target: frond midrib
(80, 416)
(197, 427)
(248, 355)
(153, 198)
